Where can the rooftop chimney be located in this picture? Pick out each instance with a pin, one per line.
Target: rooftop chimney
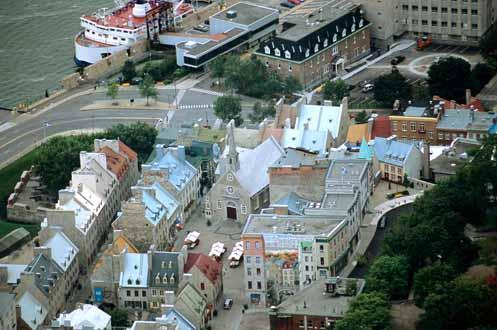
(468, 96)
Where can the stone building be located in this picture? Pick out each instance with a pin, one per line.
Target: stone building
(87, 207)
(243, 183)
(447, 22)
(8, 319)
(206, 276)
(150, 217)
(176, 175)
(316, 42)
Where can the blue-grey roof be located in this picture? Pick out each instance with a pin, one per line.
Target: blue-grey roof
(159, 203)
(164, 266)
(295, 203)
(182, 323)
(457, 119)
(390, 151)
(414, 111)
(365, 151)
(180, 171)
(47, 273)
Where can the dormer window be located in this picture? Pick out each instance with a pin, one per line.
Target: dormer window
(277, 52)
(129, 281)
(164, 279)
(316, 48)
(325, 44)
(307, 52)
(361, 23)
(172, 279)
(170, 264)
(287, 54)
(344, 33)
(335, 37)
(137, 282)
(352, 29)
(267, 50)
(157, 279)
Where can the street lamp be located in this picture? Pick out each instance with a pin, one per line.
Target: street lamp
(45, 126)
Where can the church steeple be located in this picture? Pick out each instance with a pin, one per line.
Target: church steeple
(233, 160)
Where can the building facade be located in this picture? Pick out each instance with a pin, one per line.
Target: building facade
(315, 43)
(417, 123)
(8, 319)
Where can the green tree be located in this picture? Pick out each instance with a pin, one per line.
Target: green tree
(362, 117)
(119, 317)
(488, 45)
(228, 107)
(128, 70)
(390, 87)
(112, 91)
(463, 304)
(291, 85)
(335, 90)
(449, 78)
(217, 67)
(431, 279)
(260, 112)
(168, 66)
(420, 91)
(138, 136)
(405, 181)
(147, 88)
(369, 311)
(481, 75)
(389, 275)
(351, 287)
(153, 70)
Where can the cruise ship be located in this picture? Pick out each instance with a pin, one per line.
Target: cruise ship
(109, 31)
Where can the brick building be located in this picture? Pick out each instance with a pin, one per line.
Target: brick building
(417, 123)
(315, 43)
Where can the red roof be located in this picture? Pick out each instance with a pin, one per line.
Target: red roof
(211, 268)
(381, 127)
(127, 151)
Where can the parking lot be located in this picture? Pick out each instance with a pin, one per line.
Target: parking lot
(228, 233)
(414, 67)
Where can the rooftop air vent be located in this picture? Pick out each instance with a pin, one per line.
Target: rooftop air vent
(231, 14)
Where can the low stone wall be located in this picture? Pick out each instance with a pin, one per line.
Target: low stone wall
(24, 214)
(421, 185)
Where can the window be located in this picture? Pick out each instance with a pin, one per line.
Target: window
(413, 127)
(306, 258)
(415, 22)
(207, 205)
(404, 127)
(256, 244)
(230, 176)
(399, 170)
(219, 204)
(249, 271)
(405, 7)
(434, 9)
(453, 10)
(440, 136)
(394, 125)
(290, 68)
(202, 286)
(447, 136)
(287, 54)
(321, 261)
(474, 26)
(430, 135)
(137, 293)
(257, 260)
(444, 24)
(279, 66)
(464, 11)
(306, 268)
(444, 9)
(154, 293)
(258, 271)
(424, 22)
(128, 293)
(229, 190)
(249, 259)
(434, 23)
(421, 127)
(259, 285)
(415, 8)
(321, 248)
(247, 245)
(144, 293)
(424, 8)
(249, 285)
(267, 50)
(277, 52)
(334, 50)
(453, 24)
(243, 208)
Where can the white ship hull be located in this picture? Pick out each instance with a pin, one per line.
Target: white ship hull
(87, 52)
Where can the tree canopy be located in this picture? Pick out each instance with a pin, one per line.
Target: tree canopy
(128, 71)
(228, 107)
(217, 67)
(362, 117)
(138, 136)
(390, 87)
(481, 75)
(335, 90)
(147, 88)
(488, 45)
(449, 78)
(389, 275)
(119, 317)
(430, 279)
(112, 91)
(261, 112)
(369, 311)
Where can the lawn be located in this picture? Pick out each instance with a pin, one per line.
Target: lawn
(9, 176)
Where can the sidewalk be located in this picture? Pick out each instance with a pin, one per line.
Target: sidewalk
(124, 104)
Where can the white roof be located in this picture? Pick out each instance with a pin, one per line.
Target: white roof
(13, 272)
(311, 140)
(63, 250)
(320, 118)
(135, 272)
(254, 164)
(87, 316)
(32, 312)
(192, 237)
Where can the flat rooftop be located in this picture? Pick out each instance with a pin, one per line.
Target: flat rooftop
(296, 158)
(311, 16)
(314, 300)
(338, 201)
(196, 48)
(246, 13)
(346, 169)
(291, 224)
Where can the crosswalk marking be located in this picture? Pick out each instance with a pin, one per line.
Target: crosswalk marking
(194, 106)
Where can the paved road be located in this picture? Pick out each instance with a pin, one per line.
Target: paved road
(20, 132)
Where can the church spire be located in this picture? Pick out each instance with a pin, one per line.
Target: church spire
(233, 160)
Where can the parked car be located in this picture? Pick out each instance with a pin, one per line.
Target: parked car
(295, 2)
(228, 303)
(367, 88)
(287, 4)
(397, 59)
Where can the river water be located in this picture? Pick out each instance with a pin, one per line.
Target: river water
(36, 45)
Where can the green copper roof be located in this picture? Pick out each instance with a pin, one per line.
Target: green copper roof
(365, 150)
